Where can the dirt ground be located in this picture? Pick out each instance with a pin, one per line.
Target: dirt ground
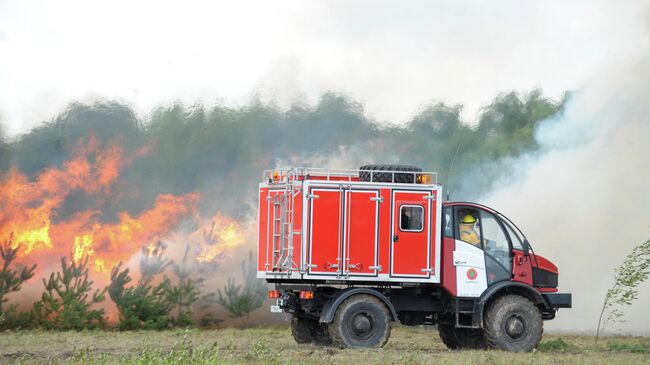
(407, 345)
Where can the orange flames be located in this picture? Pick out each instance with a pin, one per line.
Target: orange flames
(31, 216)
(28, 206)
(29, 211)
(224, 235)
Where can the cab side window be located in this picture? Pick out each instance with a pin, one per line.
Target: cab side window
(448, 222)
(517, 241)
(494, 238)
(468, 225)
(498, 261)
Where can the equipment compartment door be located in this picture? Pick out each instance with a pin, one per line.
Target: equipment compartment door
(411, 240)
(325, 231)
(361, 212)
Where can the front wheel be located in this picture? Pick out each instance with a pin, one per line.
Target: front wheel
(361, 321)
(513, 323)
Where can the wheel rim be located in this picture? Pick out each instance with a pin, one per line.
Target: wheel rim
(515, 327)
(362, 325)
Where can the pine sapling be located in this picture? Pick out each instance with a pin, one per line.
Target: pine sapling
(239, 300)
(140, 306)
(144, 305)
(11, 277)
(185, 293)
(66, 303)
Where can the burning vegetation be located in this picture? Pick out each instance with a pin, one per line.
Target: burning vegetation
(91, 245)
(98, 195)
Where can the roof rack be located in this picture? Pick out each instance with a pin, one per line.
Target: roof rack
(287, 174)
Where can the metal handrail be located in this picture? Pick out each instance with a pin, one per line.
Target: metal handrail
(286, 174)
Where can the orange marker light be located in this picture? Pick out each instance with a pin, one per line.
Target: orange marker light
(306, 294)
(424, 179)
(274, 294)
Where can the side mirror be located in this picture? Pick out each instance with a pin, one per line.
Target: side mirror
(526, 247)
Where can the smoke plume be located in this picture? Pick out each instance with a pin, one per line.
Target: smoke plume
(583, 199)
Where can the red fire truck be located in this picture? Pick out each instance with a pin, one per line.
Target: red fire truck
(350, 251)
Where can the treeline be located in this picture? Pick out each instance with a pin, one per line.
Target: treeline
(156, 301)
(221, 151)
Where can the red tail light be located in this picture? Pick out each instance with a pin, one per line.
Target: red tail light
(306, 294)
(274, 294)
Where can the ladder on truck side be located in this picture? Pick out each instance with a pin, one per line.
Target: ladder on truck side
(283, 218)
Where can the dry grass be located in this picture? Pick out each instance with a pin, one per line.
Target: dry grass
(275, 345)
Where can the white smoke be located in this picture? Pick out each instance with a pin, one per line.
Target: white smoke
(583, 202)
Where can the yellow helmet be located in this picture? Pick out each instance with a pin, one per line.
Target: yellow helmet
(468, 219)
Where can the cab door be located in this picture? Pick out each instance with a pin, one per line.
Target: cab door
(483, 253)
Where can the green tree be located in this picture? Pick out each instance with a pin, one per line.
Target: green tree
(185, 292)
(240, 300)
(11, 279)
(634, 270)
(140, 306)
(145, 305)
(66, 304)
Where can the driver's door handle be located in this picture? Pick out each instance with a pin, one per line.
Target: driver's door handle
(395, 238)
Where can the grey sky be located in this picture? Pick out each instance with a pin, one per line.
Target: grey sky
(393, 56)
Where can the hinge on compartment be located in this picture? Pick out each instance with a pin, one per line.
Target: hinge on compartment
(378, 199)
(427, 270)
(378, 267)
(312, 196)
(429, 197)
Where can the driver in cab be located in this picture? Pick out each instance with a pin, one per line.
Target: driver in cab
(468, 230)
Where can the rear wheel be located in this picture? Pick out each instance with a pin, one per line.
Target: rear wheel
(308, 330)
(513, 323)
(361, 321)
(300, 330)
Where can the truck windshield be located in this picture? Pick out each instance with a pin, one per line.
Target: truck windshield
(515, 235)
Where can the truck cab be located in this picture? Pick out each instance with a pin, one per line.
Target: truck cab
(350, 251)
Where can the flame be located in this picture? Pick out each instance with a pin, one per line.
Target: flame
(151, 249)
(83, 247)
(223, 236)
(28, 206)
(31, 238)
(100, 266)
(30, 210)
(37, 214)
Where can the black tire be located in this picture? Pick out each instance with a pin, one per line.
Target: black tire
(365, 173)
(320, 335)
(300, 330)
(448, 336)
(361, 321)
(471, 338)
(462, 338)
(513, 323)
(308, 330)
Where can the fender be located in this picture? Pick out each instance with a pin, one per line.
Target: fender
(329, 309)
(510, 287)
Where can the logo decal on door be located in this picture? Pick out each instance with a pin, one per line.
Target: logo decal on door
(472, 274)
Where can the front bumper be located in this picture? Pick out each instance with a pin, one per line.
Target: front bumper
(558, 300)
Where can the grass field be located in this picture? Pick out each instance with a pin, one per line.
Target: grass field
(407, 345)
